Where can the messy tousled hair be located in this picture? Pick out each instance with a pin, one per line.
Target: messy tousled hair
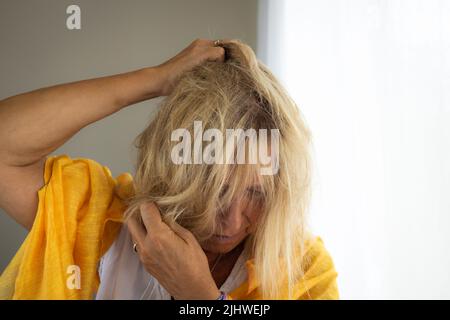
(238, 93)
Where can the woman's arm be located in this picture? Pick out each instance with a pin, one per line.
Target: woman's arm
(34, 124)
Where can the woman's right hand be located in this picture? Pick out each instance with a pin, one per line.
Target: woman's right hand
(199, 51)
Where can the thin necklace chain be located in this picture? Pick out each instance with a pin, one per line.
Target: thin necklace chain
(216, 262)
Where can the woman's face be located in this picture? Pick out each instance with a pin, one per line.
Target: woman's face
(237, 222)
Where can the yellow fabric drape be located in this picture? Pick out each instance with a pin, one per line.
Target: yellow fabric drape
(78, 217)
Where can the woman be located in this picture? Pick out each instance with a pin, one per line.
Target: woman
(181, 228)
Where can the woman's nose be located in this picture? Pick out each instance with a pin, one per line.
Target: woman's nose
(234, 219)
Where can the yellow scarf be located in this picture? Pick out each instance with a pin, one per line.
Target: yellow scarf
(78, 217)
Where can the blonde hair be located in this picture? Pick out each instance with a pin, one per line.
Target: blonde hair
(238, 93)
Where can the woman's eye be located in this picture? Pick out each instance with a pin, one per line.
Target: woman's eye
(255, 193)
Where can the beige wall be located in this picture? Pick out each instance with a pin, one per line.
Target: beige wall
(37, 50)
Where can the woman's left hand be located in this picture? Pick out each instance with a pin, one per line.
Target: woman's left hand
(172, 256)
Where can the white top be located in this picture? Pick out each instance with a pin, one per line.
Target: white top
(122, 276)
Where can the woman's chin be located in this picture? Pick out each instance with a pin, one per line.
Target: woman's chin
(222, 244)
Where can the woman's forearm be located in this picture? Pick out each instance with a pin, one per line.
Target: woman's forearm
(34, 124)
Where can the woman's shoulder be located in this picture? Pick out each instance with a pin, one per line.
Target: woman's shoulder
(84, 172)
(79, 216)
(319, 270)
(317, 255)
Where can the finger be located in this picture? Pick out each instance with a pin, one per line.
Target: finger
(183, 233)
(151, 216)
(202, 43)
(136, 230)
(221, 42)
(209, 42)
(216, 54)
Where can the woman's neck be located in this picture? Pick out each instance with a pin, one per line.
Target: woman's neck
(214, 256)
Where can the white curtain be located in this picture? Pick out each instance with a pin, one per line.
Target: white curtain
(372, 78)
